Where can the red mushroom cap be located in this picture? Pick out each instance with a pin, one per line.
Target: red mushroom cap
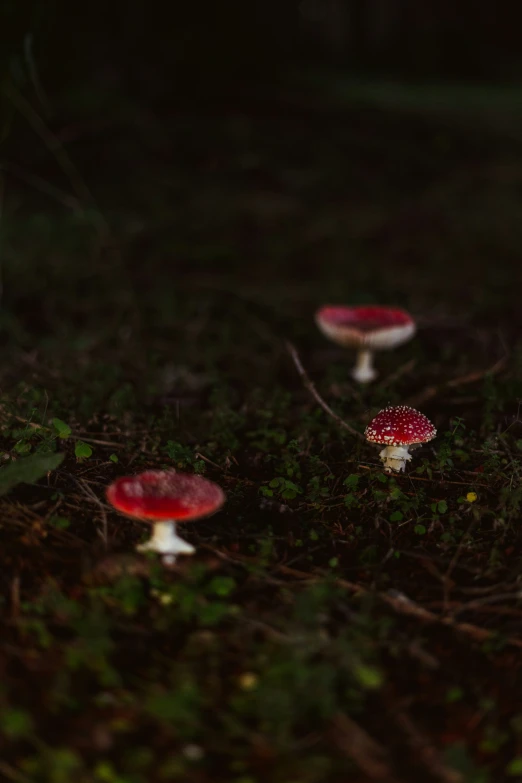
(400, 425)
(157, 495)
(372, 326)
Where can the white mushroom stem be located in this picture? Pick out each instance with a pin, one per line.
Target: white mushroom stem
(166, 541)
(395, 458)
(364, 372)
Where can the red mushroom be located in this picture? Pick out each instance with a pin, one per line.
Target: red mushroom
(164, 497)
(367, 329)
(399, 428)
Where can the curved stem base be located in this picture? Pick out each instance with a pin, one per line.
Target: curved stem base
(165, 541)
(394, 458)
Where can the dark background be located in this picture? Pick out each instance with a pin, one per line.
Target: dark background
(181, 188)
(159, 51)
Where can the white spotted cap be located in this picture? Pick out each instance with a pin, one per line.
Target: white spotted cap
(400, 425)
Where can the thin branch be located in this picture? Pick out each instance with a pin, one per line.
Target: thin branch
(404, 605)
(34, 181)
(432, 391)
(88, 492)
(33, 73)
(446, 579)
(199, 455)
(57, 149)
(357, 745)
(401, 604)
(481, 603)
(424, 750)
(13, 774)
(315, 394)
(410, 477)
(404, 369)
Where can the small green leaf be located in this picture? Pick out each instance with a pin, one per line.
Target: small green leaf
(442, 506)
(61, 428)
(351, 481)
(61, 523)
(27, 470)
(350, 501)
(515, 766)
(22, 447)
(222, 586)
(396, 516)
(454, 694)
(16, 723)
(268, 493)
(82, 450)
(368, 676)
(114, 458)
(420, 530)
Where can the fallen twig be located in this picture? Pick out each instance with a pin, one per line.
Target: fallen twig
(404, 605)
(88, 492)
(404, 369)
(315, 394)
(432, 391)
(357, 745)
(427, 754)
(395, 599)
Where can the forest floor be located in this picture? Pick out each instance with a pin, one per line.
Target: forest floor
(336, 624)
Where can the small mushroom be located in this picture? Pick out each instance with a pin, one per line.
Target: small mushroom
(399, 428)
(164, 497)
(368, 329)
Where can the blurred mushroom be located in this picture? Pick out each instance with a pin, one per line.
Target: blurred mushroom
(399, 428)
(367, 329)
(162, 498)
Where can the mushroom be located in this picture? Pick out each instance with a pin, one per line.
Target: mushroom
(399, 428)
(367, 329)
(164, 497)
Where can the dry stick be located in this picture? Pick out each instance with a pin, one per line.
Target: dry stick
(315, 394)
(399, 602)
(446, 578)
(396, 600)
(57, 149)
(210, 462)
(404, 605)
(482, 603)
(97, 442)
(394, 376)
(425, 751)
(358, 746)
(84, 486)
(432, 391)
(433, 480)
(36, 426)
(33, 72)
(13, 774)
(68, 201)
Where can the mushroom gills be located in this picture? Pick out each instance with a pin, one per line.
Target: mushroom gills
(395, 458)
(166, 541)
